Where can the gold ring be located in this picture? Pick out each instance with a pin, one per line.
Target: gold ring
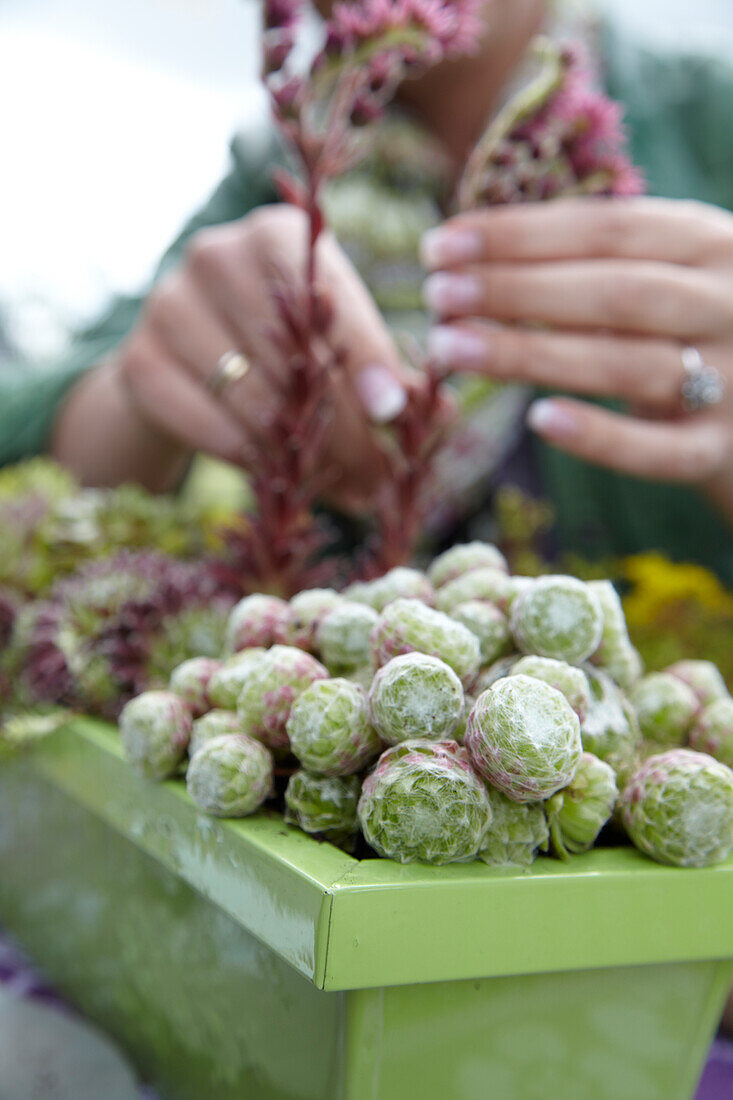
(232, 367)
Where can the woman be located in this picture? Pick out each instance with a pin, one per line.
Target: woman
(634, 297)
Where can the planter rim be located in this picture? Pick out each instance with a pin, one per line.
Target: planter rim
(350, 924)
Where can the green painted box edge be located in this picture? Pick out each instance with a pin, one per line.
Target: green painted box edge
(349, 924)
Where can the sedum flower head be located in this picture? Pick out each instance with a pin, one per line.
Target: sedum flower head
(523, 737)
(409, 626)
(329, 728)
(424, 803)
(324, 805)
(678, 809)
(230, 776)
(517, 832)
(578, 812)
(155, 728)
(416, 695)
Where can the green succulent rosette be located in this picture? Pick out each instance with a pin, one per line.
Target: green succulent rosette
(577, 813)
(307, 609)
(322, 804)
(615, 654)
(416, 695)
(610, 729)
(401, 583)
(270, 690)
(713, 731)
(569, 680)
(518, 831)
(230, 776)
(665, 707)
(424, 803)
(190, 681)
(489, 625)
(217, 723)
(256, 621)
(702, 677)
(343, 637)
(523, 737)
(487, 677)
(329, 728)
(226, 683)
(558, 617)
(678, 809)
(465, 558)
(409, 626)
(155, 729)
(487, 583)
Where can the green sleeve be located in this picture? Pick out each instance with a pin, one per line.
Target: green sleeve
(31, 394)
(679, 109)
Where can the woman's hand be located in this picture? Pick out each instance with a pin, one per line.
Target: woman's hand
(143, 415)
(615, 290)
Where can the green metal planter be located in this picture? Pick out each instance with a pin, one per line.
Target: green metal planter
(246, 961)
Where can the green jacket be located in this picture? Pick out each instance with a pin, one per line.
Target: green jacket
(680, 114)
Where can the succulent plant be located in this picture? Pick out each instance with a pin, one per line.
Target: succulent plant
(615, 654)
(307, 609)
(610, 729)
(569, 680)
(523, 737)
(558, 617)
(517, 832)
(712, 731)
(489, 625)
(215, 723)
(424, 803)
(270, 690)
(577, 813)
(486, 583)
(343, 637)
(329, 728)
(465, 558)
(409, 626)
(416, 696)
(665, 707)
(190, 681)
(678, 809)
(324, 805)
(256, 621)
(155, 729)
(401, 583)
(228, 680)
(487, 677)
(703, 677)
(230, 776)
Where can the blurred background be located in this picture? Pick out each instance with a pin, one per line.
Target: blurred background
(116, 124)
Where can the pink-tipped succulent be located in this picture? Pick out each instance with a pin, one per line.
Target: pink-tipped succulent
(559, 136)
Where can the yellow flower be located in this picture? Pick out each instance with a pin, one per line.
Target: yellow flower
(660, 585)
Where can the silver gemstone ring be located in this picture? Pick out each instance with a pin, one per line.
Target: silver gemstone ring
(232, 366)
(702, 386)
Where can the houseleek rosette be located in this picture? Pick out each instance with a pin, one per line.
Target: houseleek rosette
(703, 677)
(190, 681)
(270, 690)
(489, 625)
(713, 731)
(615, 654)
(523, 737)
(489, 583)
(415, 695)
(409, 626)
(424, 803)
(329, 728)
(577, 813)
(217, 723)
(517, 832)
(155, 728)
(230, 776)
(307, 609)
(256, 620)
(610, 729)
(558, 617)
(569, 680)
(678, 809)
(343, 637)
(465, 558)
(323, 804)
(227, 681)
(665, 707)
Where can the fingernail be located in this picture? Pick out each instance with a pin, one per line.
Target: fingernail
(444, 293)
(455, 347)
(549, 418)
(384, 397)
(443, 247)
